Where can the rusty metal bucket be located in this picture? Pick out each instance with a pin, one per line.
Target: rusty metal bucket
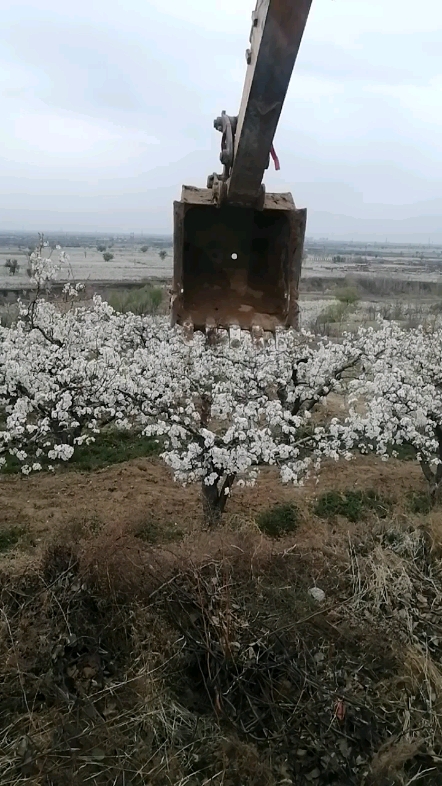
(236, 265)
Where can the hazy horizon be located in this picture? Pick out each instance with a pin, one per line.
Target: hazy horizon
(107, 113)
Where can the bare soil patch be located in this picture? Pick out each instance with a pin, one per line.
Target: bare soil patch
(144, 488)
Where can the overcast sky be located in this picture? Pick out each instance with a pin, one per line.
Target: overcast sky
(107, 108)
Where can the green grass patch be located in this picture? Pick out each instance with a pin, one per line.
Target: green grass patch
(279, 520)
(419, 502)
(110, 447)
(9, 537)
(331, 319)
(352, 505)
(154, 532)
(402, 452)
(113, 447)
(348, 295)
(12, 466)
(143, 300)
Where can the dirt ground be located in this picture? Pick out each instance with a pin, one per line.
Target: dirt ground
(144, 488)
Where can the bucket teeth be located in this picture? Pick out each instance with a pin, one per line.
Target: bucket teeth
(212, 333)
(257, 335)
(279, 331)
(235, 335)
(188, 329)
(269, 337)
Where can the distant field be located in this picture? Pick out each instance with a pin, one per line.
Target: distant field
(326, 262)
(87, 264)
(402, 283)
(411, 263)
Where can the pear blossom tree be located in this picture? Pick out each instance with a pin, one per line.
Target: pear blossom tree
(223, 411)
(57, 367)
(55, 383)
(396, 399)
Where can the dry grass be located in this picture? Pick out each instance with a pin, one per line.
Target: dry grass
(138, 650)
(206, 661)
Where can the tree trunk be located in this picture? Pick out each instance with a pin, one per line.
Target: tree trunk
(211, 503)
(434, 477)
(435, 491)
(215, 498)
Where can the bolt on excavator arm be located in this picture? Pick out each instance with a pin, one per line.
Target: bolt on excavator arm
(238, 250)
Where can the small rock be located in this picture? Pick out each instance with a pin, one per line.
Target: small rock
(317, 594)
(344, 748)
(98, 754)
(22, 747)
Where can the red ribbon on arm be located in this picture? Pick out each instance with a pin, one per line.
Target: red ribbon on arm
(275, 158)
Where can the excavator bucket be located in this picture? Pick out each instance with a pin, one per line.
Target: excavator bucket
(236, 265)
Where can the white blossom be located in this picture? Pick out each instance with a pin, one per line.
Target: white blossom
(397, 397)
(220, 410)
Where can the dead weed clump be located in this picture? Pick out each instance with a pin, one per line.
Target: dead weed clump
(208, 661)
(125, 564)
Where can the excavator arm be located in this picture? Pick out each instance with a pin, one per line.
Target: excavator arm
(238, 250)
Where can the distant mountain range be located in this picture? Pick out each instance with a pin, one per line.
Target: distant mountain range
(149, 210)
(337, 207)
(421, 229)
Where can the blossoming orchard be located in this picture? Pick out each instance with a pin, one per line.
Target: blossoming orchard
(400, 383)
(220, 410)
